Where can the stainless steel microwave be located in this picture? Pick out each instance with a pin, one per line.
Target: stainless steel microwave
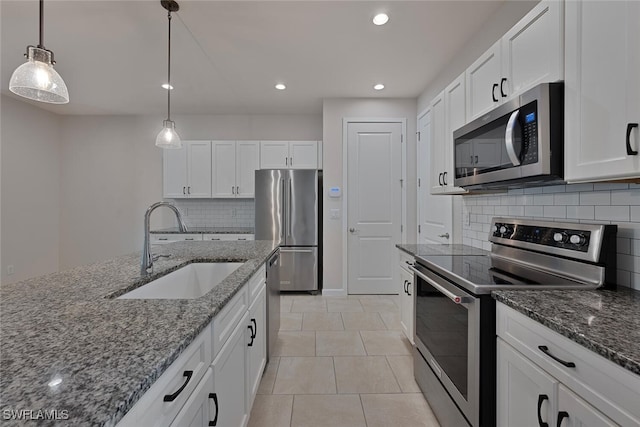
(519, 143)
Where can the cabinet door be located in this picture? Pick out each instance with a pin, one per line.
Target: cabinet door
(199, 169)
(257, 346)
(274, 154)
(525, 393)
(247, 162)
(532, 51)
(174, 173)
(200, 409)
(434, 211)
(483, 78)
(303, 154)
(455, 117)
(575, 412)
(223, 175)
(406, 308)
(229, 378)
(437, 143)
(602, 92)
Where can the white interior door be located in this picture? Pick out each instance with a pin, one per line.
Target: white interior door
(374, 204)
(435, 213)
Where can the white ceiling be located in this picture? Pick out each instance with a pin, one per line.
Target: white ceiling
(228, 55)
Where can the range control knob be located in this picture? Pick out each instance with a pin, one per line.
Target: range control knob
(503, 229)
(578, 239)
(560, 237)
(496, 228)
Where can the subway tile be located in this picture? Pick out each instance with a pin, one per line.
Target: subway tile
(623, 245)
(533, 211)
(629, 263)
(581, 212)
(610, 186)
(579, 187)
(502, 210)
(555, 211)
(634, 247)
(554, 189)
(623, 278)
(533, 190)
(626, 197)
(528, 199)
(543, 200)
(635, 213)
(516, 191)
(595, 198)
(635, 282)
(516, 210)
(566, 199)
(613, 213)
(482, 201)
(488, 210)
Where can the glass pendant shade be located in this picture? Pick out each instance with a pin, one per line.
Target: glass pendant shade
(36, 79)
(168, 137)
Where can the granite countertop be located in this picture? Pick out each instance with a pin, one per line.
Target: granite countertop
(430, 250)
(206, 230)
(606, 322)
(107, 352)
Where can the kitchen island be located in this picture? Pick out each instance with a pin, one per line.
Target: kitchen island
(68, 345)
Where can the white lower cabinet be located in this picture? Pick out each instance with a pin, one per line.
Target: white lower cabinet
(215, 380)
(544, 377)
(407, 296)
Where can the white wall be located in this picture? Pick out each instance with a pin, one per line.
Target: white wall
(334, 110)
(30, 190)
(112, 171)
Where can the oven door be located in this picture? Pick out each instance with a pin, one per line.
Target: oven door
(448, 337)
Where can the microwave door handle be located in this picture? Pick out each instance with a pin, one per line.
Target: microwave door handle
(508, 138)
(458, 299)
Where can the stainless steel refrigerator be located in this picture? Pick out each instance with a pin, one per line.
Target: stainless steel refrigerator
(287, 211)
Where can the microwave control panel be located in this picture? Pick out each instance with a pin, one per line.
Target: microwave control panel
(529, 124)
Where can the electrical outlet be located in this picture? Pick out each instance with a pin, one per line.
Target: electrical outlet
(10, 270)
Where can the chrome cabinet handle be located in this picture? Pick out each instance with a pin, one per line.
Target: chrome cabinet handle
(172, 397)
(445, 235)
(458, 299)
(508, 138)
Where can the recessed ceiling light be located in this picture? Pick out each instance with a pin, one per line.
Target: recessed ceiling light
(280, 86)
(381, 19)
(379, 86)
(167, 86)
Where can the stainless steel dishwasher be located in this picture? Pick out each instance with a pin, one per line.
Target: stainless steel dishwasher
(273, 301)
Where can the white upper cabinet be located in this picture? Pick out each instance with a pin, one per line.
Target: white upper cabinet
(187, 171)
(437, 143)
(602, 90)
(483, 83)
(289, 155)
(234, 165)
(531, 52)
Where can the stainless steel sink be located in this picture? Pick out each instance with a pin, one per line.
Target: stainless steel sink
(189, 282)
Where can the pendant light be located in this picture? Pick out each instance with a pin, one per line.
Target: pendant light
(36, 79)
(168, 137)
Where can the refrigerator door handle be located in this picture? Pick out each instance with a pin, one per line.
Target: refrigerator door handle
(282, 217)
(290, 214)
(304, 251)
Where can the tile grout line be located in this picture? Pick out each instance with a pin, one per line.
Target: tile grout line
(364, 414)
(386, 358)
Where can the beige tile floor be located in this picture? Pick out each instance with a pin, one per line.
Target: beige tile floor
(340, 362)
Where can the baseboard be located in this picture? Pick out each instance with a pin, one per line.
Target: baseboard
(334, 292)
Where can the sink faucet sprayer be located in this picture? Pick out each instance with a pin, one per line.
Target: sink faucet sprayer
(147, 259)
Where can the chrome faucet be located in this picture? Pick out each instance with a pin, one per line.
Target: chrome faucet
(147, 258)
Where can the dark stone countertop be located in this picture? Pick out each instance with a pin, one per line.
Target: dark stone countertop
(206, 230)
(431, 250)
(107, 352)
(604, 321)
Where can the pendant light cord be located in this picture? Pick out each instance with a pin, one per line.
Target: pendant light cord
(168, 70)
(41, 44)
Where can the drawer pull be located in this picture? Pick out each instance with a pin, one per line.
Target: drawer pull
(214, 396)
(630, 151)
(189, 238)
(255, 328)
(561, 416)
(163, 238)
(408, 284)
(404, 286)
(172, 397)
(252, 336)
(545, 350)
(541, 399)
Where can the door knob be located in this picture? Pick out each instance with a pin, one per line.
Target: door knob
(352, 230)
(445, 235)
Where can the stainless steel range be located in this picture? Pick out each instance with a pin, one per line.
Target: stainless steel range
(455, 355)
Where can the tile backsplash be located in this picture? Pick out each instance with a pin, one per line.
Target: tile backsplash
(594, 203)
(217, 212)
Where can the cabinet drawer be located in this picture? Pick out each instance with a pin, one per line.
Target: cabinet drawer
(195, 359)
(256, 283)
(405, 260)
(607, 386)
(226, 320)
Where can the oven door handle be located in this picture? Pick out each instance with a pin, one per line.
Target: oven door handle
(458, 299)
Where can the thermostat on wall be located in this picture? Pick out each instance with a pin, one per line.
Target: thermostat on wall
(335, 192)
